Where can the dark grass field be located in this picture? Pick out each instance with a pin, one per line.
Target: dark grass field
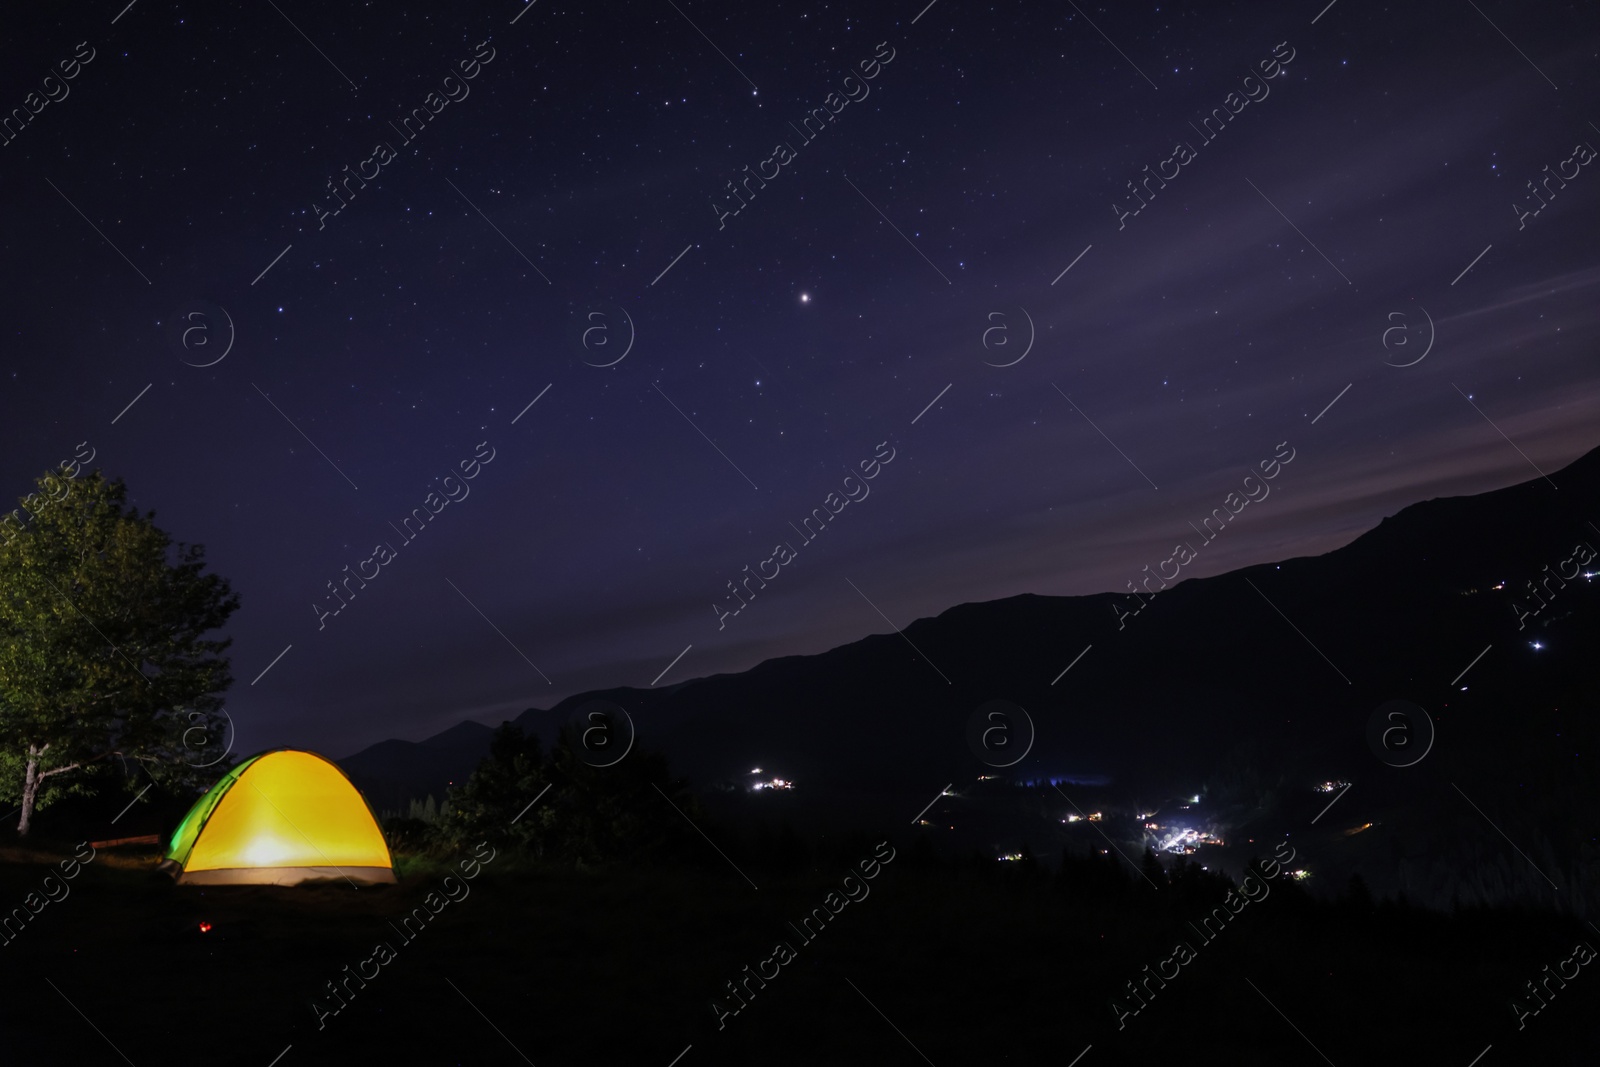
(948, 963)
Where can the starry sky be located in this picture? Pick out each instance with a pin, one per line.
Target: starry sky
(598, 257)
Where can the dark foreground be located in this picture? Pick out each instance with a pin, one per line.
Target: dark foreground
(925, 962)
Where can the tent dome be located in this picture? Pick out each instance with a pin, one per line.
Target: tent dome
(279, 818)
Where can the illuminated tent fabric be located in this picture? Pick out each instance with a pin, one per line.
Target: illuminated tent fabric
(280, 818)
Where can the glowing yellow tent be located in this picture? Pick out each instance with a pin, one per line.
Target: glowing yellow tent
(280, 818)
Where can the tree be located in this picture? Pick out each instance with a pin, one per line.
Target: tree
(482, 807)
(1150, 867)
(633, 808)
(102, 646)
(590, 814)
(423, 811)
(1357, 896)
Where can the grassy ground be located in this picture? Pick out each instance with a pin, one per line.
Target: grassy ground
(619, 966)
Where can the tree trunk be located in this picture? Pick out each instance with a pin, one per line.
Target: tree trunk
(30, 791)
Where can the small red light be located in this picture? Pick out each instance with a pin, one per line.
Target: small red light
(205, 928)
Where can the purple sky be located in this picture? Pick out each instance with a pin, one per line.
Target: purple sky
(780, 350)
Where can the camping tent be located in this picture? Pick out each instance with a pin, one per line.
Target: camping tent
(279, 818)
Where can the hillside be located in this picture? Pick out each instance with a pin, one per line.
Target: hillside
(1259, 677)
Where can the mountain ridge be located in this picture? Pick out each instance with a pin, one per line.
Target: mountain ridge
(906, 696)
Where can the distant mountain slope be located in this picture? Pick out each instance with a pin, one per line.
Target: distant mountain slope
(1289, 658)
(390, 773)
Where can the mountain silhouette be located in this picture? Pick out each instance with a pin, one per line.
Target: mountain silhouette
(1278, 665)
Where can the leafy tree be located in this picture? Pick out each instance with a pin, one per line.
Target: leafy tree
(423, 811)
(590, 814)
(482, 808)
(625, 809)
(102, 647)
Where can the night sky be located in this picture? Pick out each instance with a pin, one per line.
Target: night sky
(966, 184)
